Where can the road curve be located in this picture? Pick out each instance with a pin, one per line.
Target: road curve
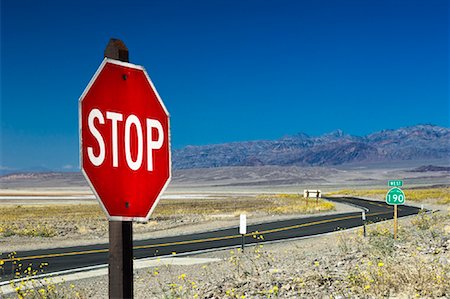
(69, 258)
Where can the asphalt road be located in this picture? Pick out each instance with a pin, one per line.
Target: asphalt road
(59, 259)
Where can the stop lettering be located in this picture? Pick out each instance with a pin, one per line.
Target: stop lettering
(131, 123)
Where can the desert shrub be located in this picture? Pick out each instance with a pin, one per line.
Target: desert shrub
(425, 221)
(26, 285)
(28, 230)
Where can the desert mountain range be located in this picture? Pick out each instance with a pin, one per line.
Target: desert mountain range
(420, 142)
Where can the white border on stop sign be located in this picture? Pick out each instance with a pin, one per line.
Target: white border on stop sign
(88, 87)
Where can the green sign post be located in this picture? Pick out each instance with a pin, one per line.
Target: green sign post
(395, 197)
(395, 183)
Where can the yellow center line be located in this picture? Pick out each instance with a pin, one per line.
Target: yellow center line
(189, 241)
(312, 223)
(55, 255)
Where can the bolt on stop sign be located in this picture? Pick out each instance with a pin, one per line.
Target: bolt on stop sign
(124, 140)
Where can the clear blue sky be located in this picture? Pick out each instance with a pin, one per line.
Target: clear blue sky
(226, 70)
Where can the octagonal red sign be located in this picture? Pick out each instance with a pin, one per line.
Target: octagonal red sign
(124, 140)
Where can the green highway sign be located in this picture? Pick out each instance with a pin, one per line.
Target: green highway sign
(395, 196)
(395, 183)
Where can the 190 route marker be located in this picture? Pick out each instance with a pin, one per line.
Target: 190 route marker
(395, 196)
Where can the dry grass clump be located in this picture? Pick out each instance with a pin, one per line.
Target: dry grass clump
(52, 220)
(262, 204)
(250, 275)
(43, 289)
(26, 286)
(46, 289)
(416, 265)
(27, 230)
(294, 203)
(438, 195)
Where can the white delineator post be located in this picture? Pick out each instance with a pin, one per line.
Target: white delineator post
(243, 229)
(363, 216)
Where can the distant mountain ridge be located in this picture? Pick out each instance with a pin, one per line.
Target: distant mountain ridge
(420, 142)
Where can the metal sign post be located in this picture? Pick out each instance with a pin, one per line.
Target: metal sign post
(120, 258)
(395, 222)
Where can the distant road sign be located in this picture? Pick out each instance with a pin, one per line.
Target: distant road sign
(395, 183)
(312, 193)
(395, 196)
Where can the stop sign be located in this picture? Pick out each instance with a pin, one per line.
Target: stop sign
(124, 140)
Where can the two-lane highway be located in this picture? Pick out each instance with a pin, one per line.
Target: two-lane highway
(59, 259)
